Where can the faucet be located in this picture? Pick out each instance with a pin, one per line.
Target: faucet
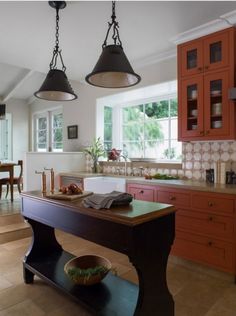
(125, 159)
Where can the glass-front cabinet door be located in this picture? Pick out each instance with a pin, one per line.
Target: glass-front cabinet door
(192, 107)
(216, 117)
(216, 51)
(191, 58)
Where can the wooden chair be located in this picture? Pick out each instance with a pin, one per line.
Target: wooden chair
(16, 181)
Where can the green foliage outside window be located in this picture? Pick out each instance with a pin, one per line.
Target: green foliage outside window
(142, 129)
(107, 128)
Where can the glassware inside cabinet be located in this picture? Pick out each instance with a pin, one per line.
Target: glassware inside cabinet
(216, 103)
(192, 106)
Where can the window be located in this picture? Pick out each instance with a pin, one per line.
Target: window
(48, 131)
(146, 129)
(5, 138)
(107, 128)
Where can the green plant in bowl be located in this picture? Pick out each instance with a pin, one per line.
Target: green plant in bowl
(87, 269)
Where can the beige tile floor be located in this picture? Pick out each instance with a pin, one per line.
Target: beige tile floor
(197, 291)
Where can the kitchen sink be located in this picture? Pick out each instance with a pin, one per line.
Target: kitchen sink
(104, 184)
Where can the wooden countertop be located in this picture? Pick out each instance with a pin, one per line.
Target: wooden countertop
(179, 184)
(133, 214)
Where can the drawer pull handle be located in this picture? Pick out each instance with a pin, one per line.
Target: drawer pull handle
(210, 204)
(210, 243)
(141, 191)
(210, 218)
(172, 198)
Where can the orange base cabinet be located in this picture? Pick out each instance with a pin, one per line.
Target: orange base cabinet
(141, 192)
(205, 223)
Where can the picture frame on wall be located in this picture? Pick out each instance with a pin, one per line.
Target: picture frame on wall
(72, 131)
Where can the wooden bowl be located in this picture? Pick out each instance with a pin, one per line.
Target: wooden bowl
(85, 262)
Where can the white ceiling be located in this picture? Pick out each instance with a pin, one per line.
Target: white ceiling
(27, 31)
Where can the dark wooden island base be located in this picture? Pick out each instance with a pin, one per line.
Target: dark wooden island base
(144, 231)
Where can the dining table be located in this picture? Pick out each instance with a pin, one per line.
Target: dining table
(9, 167)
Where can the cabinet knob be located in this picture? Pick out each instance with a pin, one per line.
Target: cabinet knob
(141, 191)
(210, 243)
(172, 198)
(210, 218)
(207, 132)
(202, 133)
(199, 68)
(206, 67)
(210, 204)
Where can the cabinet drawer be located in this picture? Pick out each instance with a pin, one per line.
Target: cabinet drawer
(175, 198)
(205, 223)
(213, 203)
(204, 250)
(144, 194)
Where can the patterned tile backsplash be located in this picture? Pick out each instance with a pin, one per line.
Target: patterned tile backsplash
(199, 156)
(196, 158)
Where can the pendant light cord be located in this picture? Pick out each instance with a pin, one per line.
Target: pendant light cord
(115, 24)
(57, 51)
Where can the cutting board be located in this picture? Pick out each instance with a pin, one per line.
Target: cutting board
(61, 196)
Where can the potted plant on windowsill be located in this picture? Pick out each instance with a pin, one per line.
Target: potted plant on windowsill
(95, 151)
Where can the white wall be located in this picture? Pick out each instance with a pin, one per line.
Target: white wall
(82, 112)
(20, 131)
(60, 162)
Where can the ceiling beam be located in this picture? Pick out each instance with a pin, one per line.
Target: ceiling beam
(11, 93)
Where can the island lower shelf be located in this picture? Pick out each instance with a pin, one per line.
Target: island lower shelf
(112, 296)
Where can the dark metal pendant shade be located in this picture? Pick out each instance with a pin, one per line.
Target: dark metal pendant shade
(56, 87)
(113, 69)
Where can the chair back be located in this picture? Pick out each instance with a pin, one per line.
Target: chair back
(20, 163)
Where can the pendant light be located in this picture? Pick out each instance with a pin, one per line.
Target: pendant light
(2, 111)
(113, 69)
(56, 86)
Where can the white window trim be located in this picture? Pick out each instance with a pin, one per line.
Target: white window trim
(38, 114)
(7, 156)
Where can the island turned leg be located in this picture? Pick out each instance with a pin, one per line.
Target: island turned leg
(151, 248)
(43, 243)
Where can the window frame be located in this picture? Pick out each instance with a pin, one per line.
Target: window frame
(6, 141)
(117, 137)
(48, 114)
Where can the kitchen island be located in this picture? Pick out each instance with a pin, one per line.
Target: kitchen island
(144, 231)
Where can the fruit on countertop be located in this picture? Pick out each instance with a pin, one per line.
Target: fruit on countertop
(71, 189)
(159, 176)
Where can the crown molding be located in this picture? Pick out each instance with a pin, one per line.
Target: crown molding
(223, 22)
(230, 17)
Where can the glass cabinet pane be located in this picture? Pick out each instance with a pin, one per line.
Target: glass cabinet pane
(216, 103)
(215, 52)
(192, 107)
(192, 59)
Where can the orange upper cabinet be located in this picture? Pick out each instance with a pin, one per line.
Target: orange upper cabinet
(216, 51)
(205, 74)
(191, 115)
(205, 54)
(191, 58)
